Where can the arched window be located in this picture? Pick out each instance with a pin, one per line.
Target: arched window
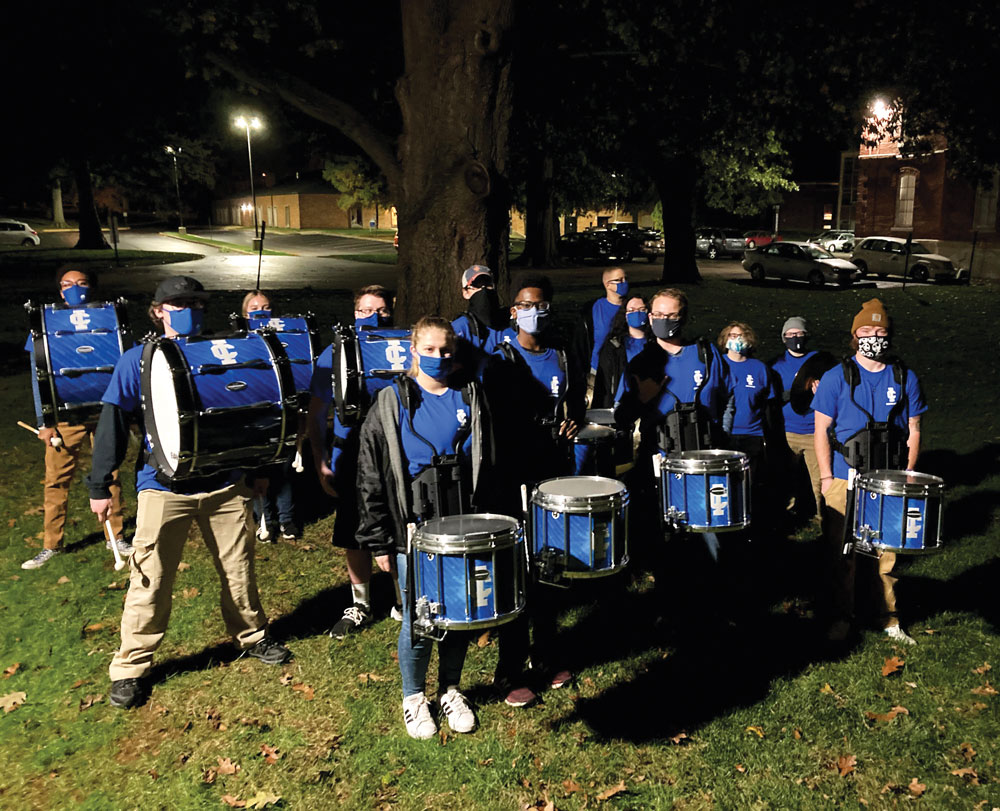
(904, 197)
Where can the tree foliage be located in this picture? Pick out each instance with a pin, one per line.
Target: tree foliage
(356, 180)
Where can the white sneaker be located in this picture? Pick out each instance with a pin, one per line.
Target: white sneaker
(41, 559)
(124, 547)
(417, 717)
(457, 710)
(897, 634)
(396, 612)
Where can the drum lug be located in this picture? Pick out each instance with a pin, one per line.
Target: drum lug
(863, 541)
(423, 625)
(551, 564)
(675, 518)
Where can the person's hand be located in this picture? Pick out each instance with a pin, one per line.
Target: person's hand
(569, 429)
(814, 385)
(326, 481)
(384, 563)
(648, 389)
(825, 484)
(46, 434)
(101, 507)
(260, 487)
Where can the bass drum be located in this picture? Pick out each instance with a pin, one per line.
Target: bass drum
(300, 339)
(364, 362)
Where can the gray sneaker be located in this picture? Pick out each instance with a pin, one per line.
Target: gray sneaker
(39, 560)
(124, 547)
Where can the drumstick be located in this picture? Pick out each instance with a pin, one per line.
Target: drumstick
(119, 563)
(263, 534)
(55, 442)
(297, 465)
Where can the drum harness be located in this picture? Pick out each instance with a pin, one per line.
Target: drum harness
(878, 444)
(553, 420)
(687, 426)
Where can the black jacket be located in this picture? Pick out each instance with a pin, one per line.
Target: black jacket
(582, 346)
(384, 493)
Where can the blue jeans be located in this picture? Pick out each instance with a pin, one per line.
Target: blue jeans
(414, 659)
(279, 503)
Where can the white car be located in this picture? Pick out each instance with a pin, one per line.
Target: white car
(15, 232)
(835, 240)
(885, 255)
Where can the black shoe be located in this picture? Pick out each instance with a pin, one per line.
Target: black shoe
(291, 531)
(355, 618)
(269, 652)
(128, 693)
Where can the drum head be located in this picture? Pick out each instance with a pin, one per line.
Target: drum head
(457, 534)
(900, 482)
(165, 411)
(592, 432)
(581, 487)
(601, 416)
(707, 461)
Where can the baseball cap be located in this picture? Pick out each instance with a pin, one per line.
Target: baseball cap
(179, 287)
(474, 272)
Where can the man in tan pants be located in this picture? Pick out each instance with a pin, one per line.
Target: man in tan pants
(75, 288)
(219, 503)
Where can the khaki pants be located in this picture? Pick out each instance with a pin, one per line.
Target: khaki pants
(803, 447)
(162, 526)
(876, 574)
(60, 465)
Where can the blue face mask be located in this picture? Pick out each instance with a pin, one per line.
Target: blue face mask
(637, 319)
(438, 368)
(621, 288)
(533, 320)
(76, 295)
(259, 314)
(187, 321)
(373, 320)
(737, 345)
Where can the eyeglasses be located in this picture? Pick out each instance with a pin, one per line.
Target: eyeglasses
(542, 306)
(793, 333)
(367, 311)
(482, 281)
(671, 316)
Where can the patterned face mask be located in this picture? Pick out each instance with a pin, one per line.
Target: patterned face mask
(873, 347)
(737, 345)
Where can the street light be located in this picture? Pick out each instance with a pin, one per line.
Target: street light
(177, 184)
(253, 123)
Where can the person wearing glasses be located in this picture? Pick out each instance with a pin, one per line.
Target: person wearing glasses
(76, 288)
(542, 395)
(595, 323)
(335, 456)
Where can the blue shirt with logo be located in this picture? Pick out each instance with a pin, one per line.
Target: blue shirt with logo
(685, 371)
(751, 387)
(787, 366)
(602, 314)
(877, 393)
(463, 329)
(437, 420)
(321, 387)
(545, 369)
(633, 346)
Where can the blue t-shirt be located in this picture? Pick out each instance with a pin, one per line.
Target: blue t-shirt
(684, 372)
(633, 346)
(544, 366)
(787, 366)
(750, 384)
(602, 313)
(877, 393)
(321, 385)
(437, 418)
(463, 329)
(321, 388)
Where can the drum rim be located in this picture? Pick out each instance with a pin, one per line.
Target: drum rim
(888, 485)
(474, 542)
(606, 433)
(472, 625)
(579, 504)
(708, 461)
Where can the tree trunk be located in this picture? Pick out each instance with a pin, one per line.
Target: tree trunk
(675, 184)
(455, 99)
(90, 226)
(540, 217)
(58, 217)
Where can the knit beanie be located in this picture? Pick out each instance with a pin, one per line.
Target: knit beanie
(795, 322)
(873, 314)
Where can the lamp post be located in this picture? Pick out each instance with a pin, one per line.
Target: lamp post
(177, 186)
(248, 124)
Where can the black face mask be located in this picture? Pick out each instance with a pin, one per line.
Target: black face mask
(485, 305)
(796, 343)
(666, 328)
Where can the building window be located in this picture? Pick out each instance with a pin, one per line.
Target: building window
(288, 216)
(984, 215)
(904, 198)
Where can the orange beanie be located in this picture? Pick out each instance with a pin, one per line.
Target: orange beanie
(873, 314)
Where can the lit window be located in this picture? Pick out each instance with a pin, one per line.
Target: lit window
(904, 199)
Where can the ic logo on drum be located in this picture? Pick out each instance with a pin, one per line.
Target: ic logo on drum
(85, 350)
(719, 496)
(80, 319)
(276, 324)
(484, 587)
(236, 385)
(395, 355)
(914, 523)
(224, 352)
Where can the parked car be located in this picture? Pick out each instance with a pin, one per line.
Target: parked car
(395, 240)
(715, 242)
(885, 255)
(630, 241)
(799, 260)
(15, 232)
(758, 239)
(835, 240)
(584, 245)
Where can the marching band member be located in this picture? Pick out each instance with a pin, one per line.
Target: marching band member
(595, 322)
(76, 287)
(278, 505)
(219, 503)
(417, 427)
(478, 325)
(336, 461)
(627, 335)
(868, 412)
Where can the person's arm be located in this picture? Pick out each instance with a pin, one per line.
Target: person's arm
(375, 525)
(317, 431)
(110, 448)
(913, 443)
(824, 453)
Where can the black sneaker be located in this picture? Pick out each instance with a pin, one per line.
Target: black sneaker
(355, 618)
(128, 693)
(269, 652)
(291, 532)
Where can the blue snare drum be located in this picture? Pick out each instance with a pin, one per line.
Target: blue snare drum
(215, 404)
(73, 353)
(898, 511)
(705, 491)
(468, 572)
(300, 339)
(594, 450)
(579, 527)
(365, 361)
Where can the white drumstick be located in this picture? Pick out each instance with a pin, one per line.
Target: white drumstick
(262, 533)
(297, 465)
(119, 562)
(55, 441)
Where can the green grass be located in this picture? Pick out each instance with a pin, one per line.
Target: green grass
(222, 245)
(744, 721)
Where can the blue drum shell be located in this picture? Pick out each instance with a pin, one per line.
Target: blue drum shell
(712, 494)
(903, 510)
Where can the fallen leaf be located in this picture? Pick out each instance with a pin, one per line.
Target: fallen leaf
(183, 567)
(117, 586)
(797, 734)
(826, 688)
(758, 731)
(209, 776)
(15, 577)
(929, 631)
(741, 768)
(285, 678)
(79, 683)
(12, 701)
(90, 701)
(916, 789)
(94, 627)
(62, 580)
(911, 684)
(443, 734)
(968, 774)
(571, 786)
(984, 669)
(608, 793)
(262, 799)
(892, 665)
(190, 592)
(679, 737)
(226, 766)
(153, 773)
(305, 689)
(483, 640)
(270, 753)
(897, 710)
(986, 690)
(233, 802)
(11, 522)
(967, 751)
(35, 510)
(364, 678)
(10, 671)
(846, 764)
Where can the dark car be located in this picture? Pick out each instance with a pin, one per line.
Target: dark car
(630, 241)
(584, 245)
(716, 242)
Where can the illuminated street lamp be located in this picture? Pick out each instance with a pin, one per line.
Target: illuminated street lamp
(253, 123)
(177, 184)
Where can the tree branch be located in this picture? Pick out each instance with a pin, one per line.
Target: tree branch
(323, 107)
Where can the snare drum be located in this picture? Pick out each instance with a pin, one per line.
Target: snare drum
(215, 404)
(300, 339)
(73, 353)
(579, 527)
(898, 511)
(365, 361)
(705, 491)
(468, 572)
(594, 450)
